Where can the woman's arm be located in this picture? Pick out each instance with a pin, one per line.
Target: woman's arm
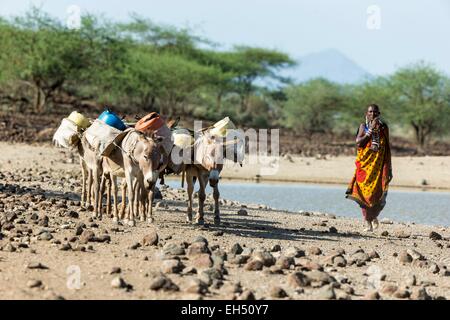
(362, 138)
(386, 130)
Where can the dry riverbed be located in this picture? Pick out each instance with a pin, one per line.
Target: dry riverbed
(52, 249)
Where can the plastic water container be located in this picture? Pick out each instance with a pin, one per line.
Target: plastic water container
(220, 127)
(113, 120)
(80, 120)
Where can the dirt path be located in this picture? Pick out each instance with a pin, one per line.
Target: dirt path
(51, 248)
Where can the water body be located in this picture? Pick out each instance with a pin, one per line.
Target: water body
(405, 205)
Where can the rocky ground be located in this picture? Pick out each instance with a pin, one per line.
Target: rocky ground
(52, 249)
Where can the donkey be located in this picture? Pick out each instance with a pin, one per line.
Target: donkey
(209, 152)
(136, 159)
(91, 166)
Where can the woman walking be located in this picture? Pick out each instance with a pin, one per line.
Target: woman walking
(373, 173)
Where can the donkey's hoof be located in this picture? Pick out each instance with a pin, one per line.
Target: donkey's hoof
(217, 221)
(94, 215)
(150, 220)
(131, 223)
(189, 219)
(200, 222)
(142, 219)
(115, 220)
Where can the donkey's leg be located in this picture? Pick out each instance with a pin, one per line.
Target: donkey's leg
(190, 190)
(96, 175)
(89, 188)
(83, 183)
(123, 206)
(113, 180)
(141, 193)
(108, 195)
(216, 195)
(100, 195)
(150, 198)
(201, 198)
(130, 193)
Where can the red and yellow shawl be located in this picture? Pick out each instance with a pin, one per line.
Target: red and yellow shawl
(371, 179)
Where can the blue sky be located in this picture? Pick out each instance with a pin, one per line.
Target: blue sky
(410, 30)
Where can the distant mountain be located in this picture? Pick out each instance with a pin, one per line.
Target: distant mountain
(330, 64)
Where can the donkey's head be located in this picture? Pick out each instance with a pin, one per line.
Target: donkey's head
(148, 156)
(210, 153)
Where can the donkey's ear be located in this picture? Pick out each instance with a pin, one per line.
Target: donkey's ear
(156, 138)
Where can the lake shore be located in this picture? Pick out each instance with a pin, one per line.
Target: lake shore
(51, 248)
(409, 172)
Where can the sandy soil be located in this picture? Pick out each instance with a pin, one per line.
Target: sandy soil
(52, 249)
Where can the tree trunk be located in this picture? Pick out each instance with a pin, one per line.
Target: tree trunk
(40, 99)
(219, 102)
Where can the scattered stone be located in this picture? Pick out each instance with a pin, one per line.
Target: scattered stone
(385, 233)
(200, 239)
(73, 214)
(435, 236)
(34, 283)
(163, 283)
(36, 265)
(236, 249)
(314, 251)
(277, 292)
(189, 270)
(173, 249)
(404, 257)
(325, 293)
(65, 247)
(298, 279)
(285, 262)
(372, 295)
(134, 246)
(415, 254)
(401, 293)
(197, 286)
(202, 261)
(374, 255)
(265, 257)
(254, 265)
(389, 289)
(86, 236)
(293, 252)
(46, 236)
(172, 266)
(410, 280)
(333, 230)
(242, 212)
(118, 283)
(402, 234)
(339, 261)
(247, 295)
(420, 294)
(275, 248)
(103, 238)
(238, 259)
(320, 278)
(197, 248)
(217, 233)
(9, 248)
(115, 270)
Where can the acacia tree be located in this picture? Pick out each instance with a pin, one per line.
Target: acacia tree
(310, 106)
(422, 99)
